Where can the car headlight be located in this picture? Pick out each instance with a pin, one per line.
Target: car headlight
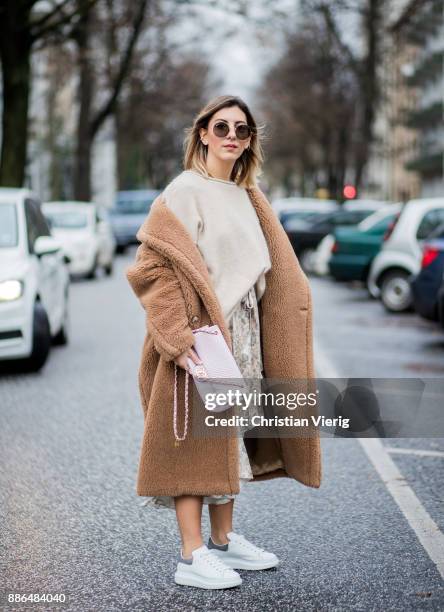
(11, 290)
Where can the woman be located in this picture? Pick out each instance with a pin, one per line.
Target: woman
(213, 252)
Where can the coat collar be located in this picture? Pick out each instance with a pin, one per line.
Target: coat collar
(165, 233)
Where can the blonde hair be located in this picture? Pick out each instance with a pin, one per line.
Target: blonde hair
(248, 167)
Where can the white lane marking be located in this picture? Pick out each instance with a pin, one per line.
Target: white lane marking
(425, 528)
(415, 451)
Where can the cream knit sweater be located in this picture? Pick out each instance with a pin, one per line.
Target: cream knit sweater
(224, 225)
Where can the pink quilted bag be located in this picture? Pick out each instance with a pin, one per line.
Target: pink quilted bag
(218, 372)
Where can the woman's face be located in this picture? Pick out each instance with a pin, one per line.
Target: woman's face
(229, 147)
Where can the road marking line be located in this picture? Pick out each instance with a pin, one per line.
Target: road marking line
(415, 451)
(425, 528)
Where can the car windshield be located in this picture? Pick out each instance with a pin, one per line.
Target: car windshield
(75, 219)
(8, 226)
(130, 206)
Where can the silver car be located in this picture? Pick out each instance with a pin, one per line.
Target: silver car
(400, 256)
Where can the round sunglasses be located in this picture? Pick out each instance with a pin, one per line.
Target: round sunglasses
(221, 129)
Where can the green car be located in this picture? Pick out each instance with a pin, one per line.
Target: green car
(354, 248)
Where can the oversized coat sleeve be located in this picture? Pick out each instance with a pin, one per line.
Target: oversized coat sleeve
(155, 283)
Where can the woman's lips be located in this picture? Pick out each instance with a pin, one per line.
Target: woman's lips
(230, 146)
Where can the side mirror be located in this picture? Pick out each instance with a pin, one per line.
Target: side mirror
(45, 245)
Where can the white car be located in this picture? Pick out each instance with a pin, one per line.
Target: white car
(85, 233)
(400, 256)
(34, 281)
(322, 255)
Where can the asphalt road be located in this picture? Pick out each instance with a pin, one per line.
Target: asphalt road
(70, 521)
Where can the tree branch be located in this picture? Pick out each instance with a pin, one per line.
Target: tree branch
(108, 106)
(37, 23)
(325, 10)
(67, 18)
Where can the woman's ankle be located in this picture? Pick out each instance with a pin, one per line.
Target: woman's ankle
(188, 547)
(219, 537)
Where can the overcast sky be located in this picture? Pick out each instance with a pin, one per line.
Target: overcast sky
(232, 46)
(230, 42)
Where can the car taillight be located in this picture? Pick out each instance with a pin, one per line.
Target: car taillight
(429, 254)
(390, 228)
(335, 247)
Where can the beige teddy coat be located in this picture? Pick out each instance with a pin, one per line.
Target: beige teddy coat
(171, 280)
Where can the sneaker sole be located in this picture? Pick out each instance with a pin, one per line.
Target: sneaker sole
(247, 565)
(194, 581)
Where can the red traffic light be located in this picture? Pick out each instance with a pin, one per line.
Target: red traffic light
(349, 192)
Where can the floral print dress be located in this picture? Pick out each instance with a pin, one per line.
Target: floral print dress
(244, 328)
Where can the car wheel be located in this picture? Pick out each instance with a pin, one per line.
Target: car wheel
(108, 269)
(41, 339)
(396, 294)
(62, 336)
(120, 248)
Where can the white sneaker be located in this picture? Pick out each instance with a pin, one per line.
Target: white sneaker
(206, 571)
(239, 553)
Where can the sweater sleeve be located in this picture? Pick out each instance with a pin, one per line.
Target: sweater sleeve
(182, 201)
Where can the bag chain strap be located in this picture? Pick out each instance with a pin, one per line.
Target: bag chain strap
(176, 435)
(185, 430)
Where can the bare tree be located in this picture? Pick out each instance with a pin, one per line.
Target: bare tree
(307, 98)
(150, 124)
(22, 25)
(365, 65)
(125, 16)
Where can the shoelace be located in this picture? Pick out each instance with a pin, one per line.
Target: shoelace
(246, 544)
(211, 559)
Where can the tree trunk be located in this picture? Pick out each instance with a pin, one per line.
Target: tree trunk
(341, 156)
(370, 90)
(15, 53)
(82, 165)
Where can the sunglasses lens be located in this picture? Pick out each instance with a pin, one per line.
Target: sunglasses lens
(221, 129)
(243, 131)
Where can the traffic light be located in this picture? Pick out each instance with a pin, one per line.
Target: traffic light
(349, 192)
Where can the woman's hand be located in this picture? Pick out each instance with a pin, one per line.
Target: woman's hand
(181, 360)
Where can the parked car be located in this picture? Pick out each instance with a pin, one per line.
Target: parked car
(353, 249)
(85, 233)
(306, 236)
(362, 203)
(302, 205)
(128, 214)
(441, 304)
(108, 242)
(299, 218)
(34, 282)
(400, 256)
(322, 255)
(426, 285)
